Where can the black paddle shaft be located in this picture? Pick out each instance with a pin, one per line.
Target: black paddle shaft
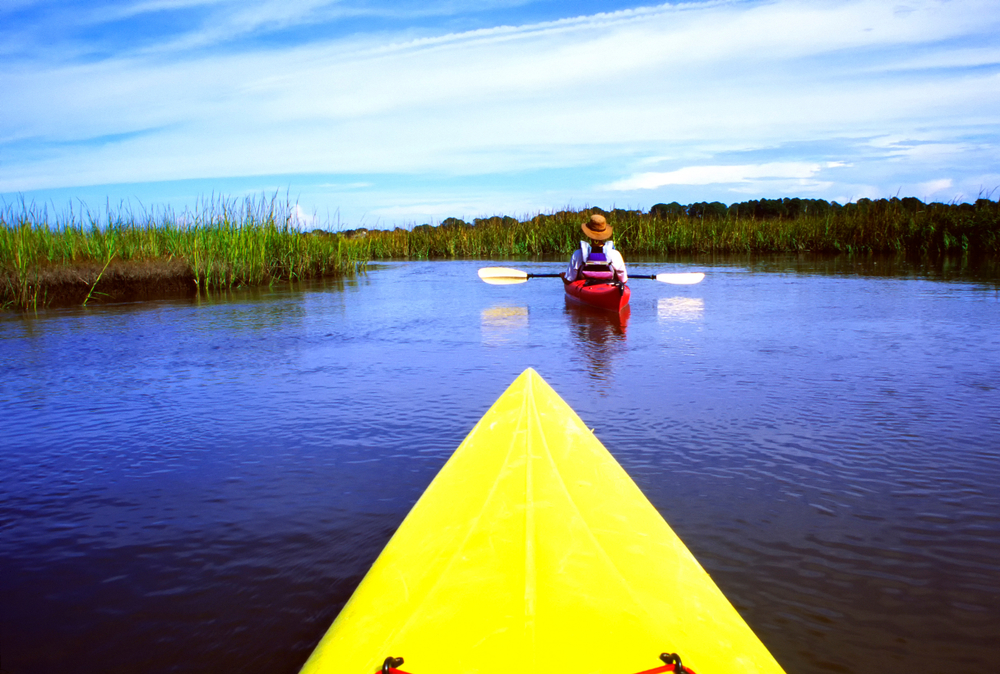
(631, 276)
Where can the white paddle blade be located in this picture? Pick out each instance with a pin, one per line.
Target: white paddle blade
(502, 276)
(688, 279)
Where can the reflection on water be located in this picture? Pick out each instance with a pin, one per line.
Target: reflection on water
(680, 308)
(199, 486)
(599, 336)
(500, 323)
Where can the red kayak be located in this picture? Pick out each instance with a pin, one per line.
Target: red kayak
(608, 296)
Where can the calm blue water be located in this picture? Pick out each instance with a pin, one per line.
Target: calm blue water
(198, 486)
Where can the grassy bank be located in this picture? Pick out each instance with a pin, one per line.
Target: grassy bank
(120, 256)
(766, 226)
(81, 258)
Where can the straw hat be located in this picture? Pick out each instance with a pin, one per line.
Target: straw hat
(598, 228)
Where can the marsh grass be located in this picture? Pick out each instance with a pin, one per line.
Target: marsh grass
(901, 226)
(226, 244)
(223, 244)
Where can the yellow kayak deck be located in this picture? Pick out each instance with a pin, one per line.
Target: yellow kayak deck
(533, 551)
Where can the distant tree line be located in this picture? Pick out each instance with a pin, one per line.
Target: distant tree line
(792, 208)
(756, 226)
(755, 209)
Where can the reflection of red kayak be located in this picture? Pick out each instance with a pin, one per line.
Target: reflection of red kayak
(601, 295)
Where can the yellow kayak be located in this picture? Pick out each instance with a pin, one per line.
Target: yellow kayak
(533, 551)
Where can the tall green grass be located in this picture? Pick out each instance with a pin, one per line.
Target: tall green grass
(765, 226)
(223, 244)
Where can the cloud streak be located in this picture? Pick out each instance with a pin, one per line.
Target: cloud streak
(639, 102)
(708, 175)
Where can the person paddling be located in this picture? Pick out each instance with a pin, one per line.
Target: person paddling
(597, 261)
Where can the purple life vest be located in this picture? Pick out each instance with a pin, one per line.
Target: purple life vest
(597, 262)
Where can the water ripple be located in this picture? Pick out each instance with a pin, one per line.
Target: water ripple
(200, 486)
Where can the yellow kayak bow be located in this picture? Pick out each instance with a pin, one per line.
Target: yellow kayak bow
(533, 551)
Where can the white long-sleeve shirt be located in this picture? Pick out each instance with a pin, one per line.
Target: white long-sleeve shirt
(577, 261)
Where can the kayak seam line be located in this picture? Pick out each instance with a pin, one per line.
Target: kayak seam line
(529, 413)
(469, 529)
(586, 525)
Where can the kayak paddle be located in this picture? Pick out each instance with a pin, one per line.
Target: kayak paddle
(499, 276)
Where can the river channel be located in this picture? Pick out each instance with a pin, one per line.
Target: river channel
(199, 485)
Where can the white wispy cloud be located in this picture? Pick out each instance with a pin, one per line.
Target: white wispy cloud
(636, 100)
(127, 10)
(707, 175)
(932, 187)
(219, 21)
(303, 219)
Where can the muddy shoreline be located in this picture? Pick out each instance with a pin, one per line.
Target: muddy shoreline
(92, 283)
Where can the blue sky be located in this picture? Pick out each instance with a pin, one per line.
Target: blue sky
(399, 113)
